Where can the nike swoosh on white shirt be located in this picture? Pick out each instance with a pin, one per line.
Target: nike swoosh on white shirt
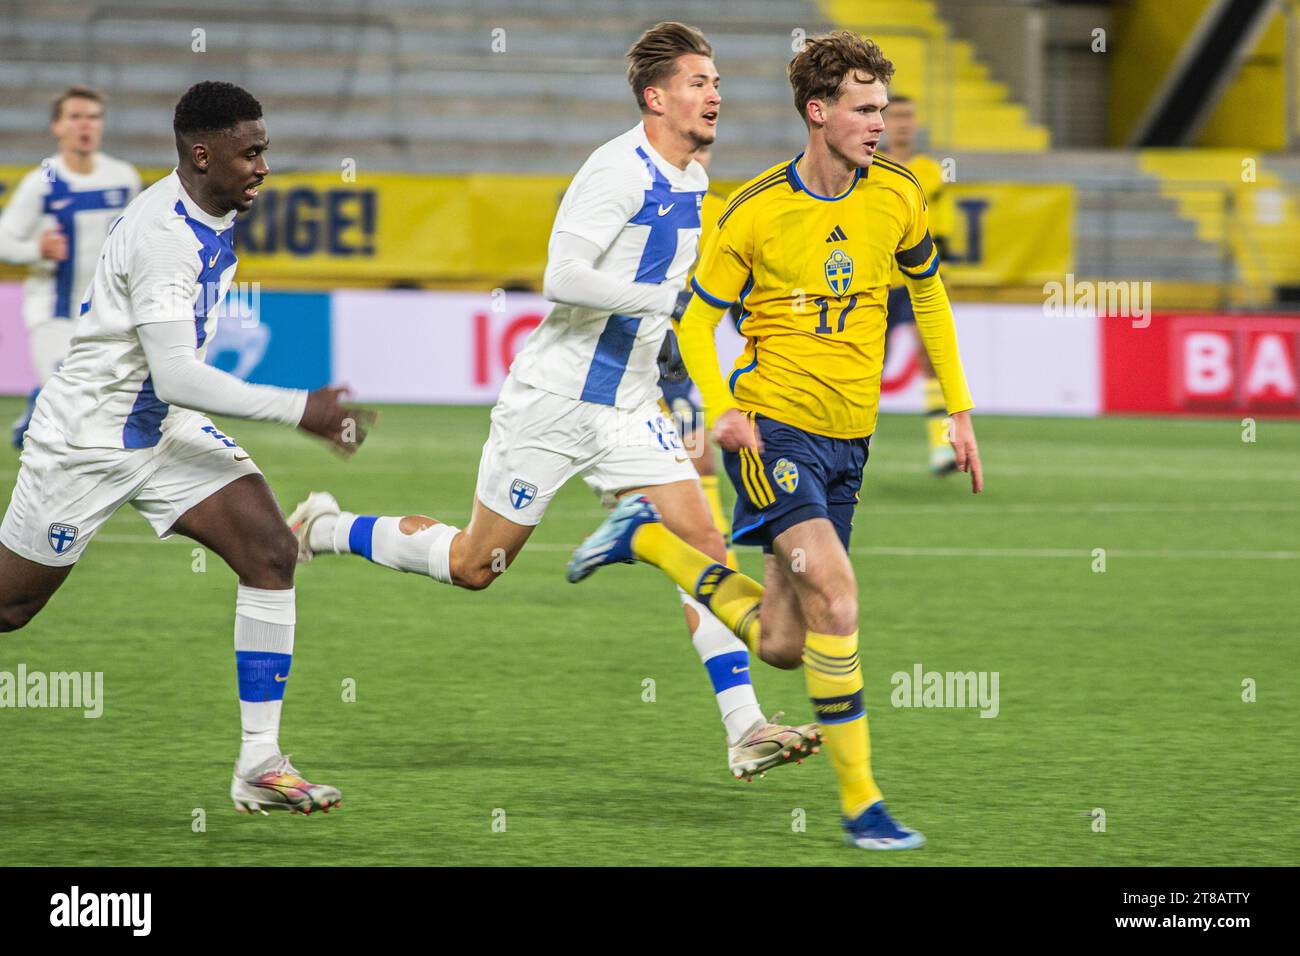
(60, 203)
(664, 210)
(213, 261)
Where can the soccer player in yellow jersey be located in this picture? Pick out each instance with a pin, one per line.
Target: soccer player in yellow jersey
(807, 249)
(901, 140)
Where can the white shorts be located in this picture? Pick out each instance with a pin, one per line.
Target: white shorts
(49, 341)
(539, 440)
(65, 494)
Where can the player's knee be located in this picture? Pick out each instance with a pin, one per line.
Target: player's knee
(715, 545)
(842, 610)
(14, 617)
(478, 578)
(708, 540)
(476, 572)
(786, 657)
(278, 558)
(835, 613)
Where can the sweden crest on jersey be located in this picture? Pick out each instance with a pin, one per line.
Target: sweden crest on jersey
(839, 271)
(786, 474)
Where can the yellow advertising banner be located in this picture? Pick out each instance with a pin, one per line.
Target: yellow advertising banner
(1008, 234)
(400, 228)
(333, 229)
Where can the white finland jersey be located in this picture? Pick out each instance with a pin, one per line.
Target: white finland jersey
(165, 260)
(645, 214)
(83, 207)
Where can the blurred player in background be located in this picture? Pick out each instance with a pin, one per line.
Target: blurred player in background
(796, 417)
(56, 221)
(901, 135)
(679, 391)
(121, 422)
(582, 398)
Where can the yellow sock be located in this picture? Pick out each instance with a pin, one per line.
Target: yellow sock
(834, 678)
(710, 485)
(936, 414)
(733, 598)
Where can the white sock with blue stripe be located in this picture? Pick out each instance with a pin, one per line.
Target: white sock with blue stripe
(264, 625)
(727, 661)
(381, 540)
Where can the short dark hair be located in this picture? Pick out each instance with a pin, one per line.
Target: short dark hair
(819, 70)
(653, 58)
(212, 106)
(74, 93)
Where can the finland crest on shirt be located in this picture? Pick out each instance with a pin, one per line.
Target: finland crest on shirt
(645, 214)
(84, 208)
(164, 260)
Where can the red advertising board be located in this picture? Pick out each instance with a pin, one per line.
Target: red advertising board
(1202, 364)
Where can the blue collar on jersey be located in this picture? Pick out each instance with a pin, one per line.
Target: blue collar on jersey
(798, 186)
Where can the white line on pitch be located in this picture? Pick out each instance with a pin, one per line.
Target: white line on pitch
(1075, 553)
(906, 552)
(1201, 473)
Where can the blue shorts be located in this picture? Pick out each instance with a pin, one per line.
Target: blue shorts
(899, 308)
(682, 408)
(799, 476)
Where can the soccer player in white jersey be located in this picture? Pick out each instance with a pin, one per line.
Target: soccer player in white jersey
(582, 398)
(56, 221)
(122, 421)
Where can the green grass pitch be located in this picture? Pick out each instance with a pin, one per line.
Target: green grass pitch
(1119, 690)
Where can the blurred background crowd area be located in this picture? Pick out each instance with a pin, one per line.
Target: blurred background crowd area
(425, 143)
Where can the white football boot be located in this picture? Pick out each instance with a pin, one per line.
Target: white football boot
(768, 744)
(318, 505)
(274, 784)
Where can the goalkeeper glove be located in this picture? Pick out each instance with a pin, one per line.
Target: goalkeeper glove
(671, 367)
(683, 300)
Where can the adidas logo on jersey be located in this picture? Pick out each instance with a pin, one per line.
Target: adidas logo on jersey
(837, 235)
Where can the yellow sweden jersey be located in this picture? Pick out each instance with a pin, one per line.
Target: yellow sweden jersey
(930, 175)
(711, 210)
(812, 275)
